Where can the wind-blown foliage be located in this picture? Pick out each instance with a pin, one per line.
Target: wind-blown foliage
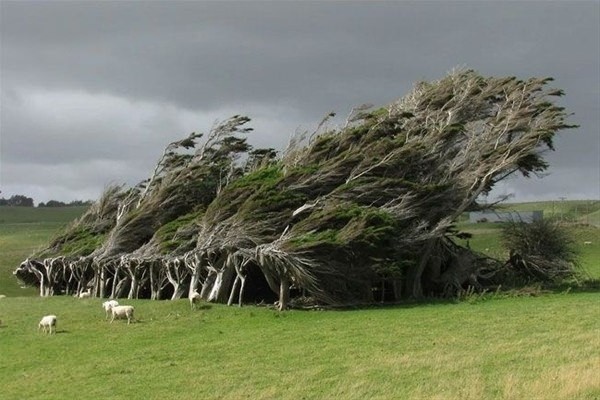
(360, 213)
(540, 251)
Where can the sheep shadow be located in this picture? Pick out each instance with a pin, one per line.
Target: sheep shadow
(57, 332)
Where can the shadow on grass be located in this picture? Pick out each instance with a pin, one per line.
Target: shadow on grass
(590, 286)
(404, 304)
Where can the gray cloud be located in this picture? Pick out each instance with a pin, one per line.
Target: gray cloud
(115, 81)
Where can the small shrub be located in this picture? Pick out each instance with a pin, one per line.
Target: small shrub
(541, 251)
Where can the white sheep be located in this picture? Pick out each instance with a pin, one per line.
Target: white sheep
(85, 295)
(122, 312)
(107, 305)
(194, 298)
(47, 324)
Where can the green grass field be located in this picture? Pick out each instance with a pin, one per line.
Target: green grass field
(493, 347)
(545, 347)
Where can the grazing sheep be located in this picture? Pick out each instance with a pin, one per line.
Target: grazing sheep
(122, 312)
(108, 305)
(47, 324)
(2, 296)
(194, 298)
(85, 295)
(587, 243)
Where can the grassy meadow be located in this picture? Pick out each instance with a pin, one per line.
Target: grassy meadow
(498, 346)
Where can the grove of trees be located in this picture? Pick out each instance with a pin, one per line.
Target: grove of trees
(17, 200)
(360, 213)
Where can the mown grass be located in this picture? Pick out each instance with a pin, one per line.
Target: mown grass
(545, 347)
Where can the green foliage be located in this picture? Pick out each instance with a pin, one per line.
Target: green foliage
(329, 236)
(268, 176)
(349, 226)
(79, 242)
(541, 250)
(171, 235)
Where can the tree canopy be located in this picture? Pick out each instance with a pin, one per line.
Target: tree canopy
(358, 213)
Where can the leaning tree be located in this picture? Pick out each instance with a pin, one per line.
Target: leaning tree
(359, 213)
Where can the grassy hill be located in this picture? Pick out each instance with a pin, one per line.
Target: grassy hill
(581, 211)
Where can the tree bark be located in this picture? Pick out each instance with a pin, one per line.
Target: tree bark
(233, 290)
(415, 274)
(284, 293)
(176, 274)
(196, 264)
(113, 292)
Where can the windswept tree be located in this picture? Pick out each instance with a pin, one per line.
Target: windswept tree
(360, 213)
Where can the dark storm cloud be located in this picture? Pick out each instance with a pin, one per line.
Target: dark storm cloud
(115, 81)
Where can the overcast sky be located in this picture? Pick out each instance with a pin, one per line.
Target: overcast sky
(91, 92)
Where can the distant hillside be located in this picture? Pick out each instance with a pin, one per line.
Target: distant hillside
(29, 215)
(580, 211)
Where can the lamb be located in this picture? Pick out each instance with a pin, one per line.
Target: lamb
(107, 305)
(122, 312)
(194, 298)
(47, 324)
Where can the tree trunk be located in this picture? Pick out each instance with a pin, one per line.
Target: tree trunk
(196, 272)
(413, 280)
(133, 288)
(284, 293)
(178, 291)
(120, 288)
(223, 290)
(113, 292)
(216, 286)
(153, 283)
(42, 285)
(102, 289)
(241, 294)
(48, 266)
(233, 290)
